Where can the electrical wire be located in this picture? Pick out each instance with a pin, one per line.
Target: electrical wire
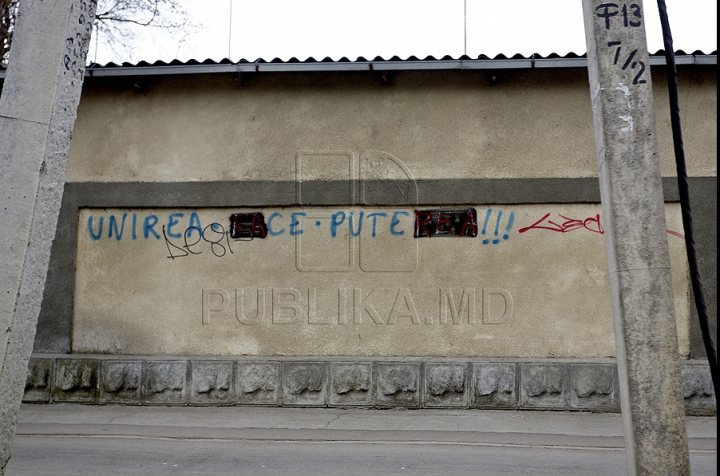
(685, 193)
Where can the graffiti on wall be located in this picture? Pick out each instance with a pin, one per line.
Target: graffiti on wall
(185, 234)
(565, 224)
(449, 223)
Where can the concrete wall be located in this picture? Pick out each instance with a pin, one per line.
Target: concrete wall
(519, 142)
(442, 125)
(146, 283)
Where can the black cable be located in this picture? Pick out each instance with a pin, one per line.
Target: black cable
(685, 193)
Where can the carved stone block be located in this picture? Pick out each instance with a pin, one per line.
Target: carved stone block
(37, 383)
(543, 385)
(594, 387)
(120, 381)
(698, 390)
(446, 385)
(164, 382)
(258, 383)
(398, 384)
(75, 380)
(351, 383)
(212, 382)
(494, 385)
(304, 383)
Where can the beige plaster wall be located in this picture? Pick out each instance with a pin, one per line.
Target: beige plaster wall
(481, 124)
(539, 288)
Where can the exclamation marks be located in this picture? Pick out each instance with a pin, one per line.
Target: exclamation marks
(496, 239)
(509, 225)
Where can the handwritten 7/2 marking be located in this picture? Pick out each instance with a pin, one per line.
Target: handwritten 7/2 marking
(629, 62)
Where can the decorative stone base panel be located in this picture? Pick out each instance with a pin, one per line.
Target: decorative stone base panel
(549, 384)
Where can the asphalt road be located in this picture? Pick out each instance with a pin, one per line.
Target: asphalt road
(115, 440)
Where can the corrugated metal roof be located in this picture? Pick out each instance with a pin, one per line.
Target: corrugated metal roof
(395, 63)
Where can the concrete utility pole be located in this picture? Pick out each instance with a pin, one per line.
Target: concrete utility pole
(38, 107)
(638, 257)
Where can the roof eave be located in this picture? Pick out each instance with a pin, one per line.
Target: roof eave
(375, 65)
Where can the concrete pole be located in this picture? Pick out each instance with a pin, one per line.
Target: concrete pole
(38, 107)
(638, 257)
